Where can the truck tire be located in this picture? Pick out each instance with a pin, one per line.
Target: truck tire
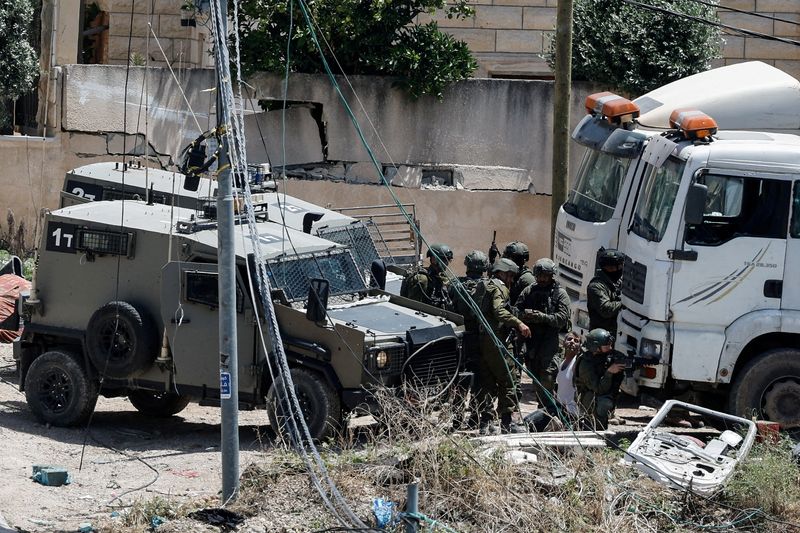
(320, 404)
(158, 404)
(769, 388)
(58, 389)
(120, 341)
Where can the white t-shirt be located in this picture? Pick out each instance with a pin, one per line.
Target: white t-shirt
(566, 387)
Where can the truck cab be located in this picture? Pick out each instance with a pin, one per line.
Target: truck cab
(714, 234)
(597, 213)
(125, 304)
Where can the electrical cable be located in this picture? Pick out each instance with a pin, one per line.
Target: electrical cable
(238, 162)
(742, 31)
(746, 12)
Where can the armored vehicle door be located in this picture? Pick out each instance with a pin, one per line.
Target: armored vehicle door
(189, 309)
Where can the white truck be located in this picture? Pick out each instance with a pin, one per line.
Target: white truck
(707, 284)
(597, 213)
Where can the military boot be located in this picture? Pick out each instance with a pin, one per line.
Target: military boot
(486, 427)
(507, 426)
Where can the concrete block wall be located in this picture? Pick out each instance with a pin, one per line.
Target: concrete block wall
(510, 37)
(183, 46)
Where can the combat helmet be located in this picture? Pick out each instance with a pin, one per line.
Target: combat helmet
(597, 338)
(517, 252)
(505, 264)
(476, 262)
(442, 251)
(545, 266)
(610, 257)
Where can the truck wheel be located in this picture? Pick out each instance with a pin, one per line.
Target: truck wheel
(58, 389)
(769, 387)
(158, 404)
(119, 341)
(319, 403)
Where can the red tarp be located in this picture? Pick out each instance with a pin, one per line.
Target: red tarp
(10, 287)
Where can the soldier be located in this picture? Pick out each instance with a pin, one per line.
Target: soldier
(430, 285)
(477, 264)
(518, 252)
(604, 301)
(495, 370)
(596, 381)
(544, 306)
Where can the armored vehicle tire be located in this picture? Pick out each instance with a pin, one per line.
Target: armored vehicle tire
(320, 404)
(58, 389)
(158, 404)
(120, 341)
(769, 387)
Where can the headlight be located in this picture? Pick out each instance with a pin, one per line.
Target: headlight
(381, 359)
(650, 349)
(582, 320)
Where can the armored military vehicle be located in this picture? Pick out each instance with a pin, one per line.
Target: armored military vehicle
(125, 303)
(116, 181)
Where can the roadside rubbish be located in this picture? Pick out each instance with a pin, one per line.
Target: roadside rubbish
(702, 466)
(549, 439)
(51, 476)
(384, 512)
(156, 521)
(768, 431)
(85, 527)
(225, 519)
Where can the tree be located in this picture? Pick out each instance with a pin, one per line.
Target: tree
(19, 66)
(368, 37)
(635, 49)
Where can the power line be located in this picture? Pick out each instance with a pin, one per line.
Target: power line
(745, 12)
(749, 33)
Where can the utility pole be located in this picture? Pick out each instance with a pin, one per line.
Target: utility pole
(228, 349)
(561, 104)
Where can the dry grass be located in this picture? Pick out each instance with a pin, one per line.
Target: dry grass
(467, 490)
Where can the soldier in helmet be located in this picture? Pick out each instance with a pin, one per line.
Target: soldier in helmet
(596, 381)
(544, 307)
(518, 252)
(430, 285)
(495, 370)
(603, 293)
(477, 264)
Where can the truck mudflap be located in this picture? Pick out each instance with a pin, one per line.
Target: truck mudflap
(702, 466)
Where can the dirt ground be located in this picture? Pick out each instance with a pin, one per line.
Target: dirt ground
(125, 456)
(183, 450)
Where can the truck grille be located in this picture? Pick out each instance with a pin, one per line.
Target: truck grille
(434, 364)
(634, 276)
(570, 279)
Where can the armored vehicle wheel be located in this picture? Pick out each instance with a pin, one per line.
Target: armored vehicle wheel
(119, 340)
(320, 404)
(159, 404)
(58, 389)
(769, 387)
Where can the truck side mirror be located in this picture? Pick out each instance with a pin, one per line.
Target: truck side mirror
(695, 203)
(318, 291)
(378, 271)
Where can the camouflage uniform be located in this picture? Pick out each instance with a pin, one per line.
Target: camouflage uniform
(604, 302)
(596, 388)
(523, 280)
(427, 285)
(494, 369)
(550, 306)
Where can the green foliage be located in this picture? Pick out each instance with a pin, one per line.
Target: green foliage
(636, 50)
(376, 37)
(19, 66)
(768, 479)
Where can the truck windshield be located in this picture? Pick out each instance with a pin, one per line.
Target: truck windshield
(659, 190)
(292, 274)
(597, 186)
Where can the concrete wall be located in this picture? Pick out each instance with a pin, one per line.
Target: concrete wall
(494, 135)
(509, 37)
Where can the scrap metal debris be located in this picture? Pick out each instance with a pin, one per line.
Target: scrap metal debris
(688, 462)
(225, 519)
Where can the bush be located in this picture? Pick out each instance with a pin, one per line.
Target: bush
(379, 38)
(768, 479)
(634, 49)
(19, 66)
